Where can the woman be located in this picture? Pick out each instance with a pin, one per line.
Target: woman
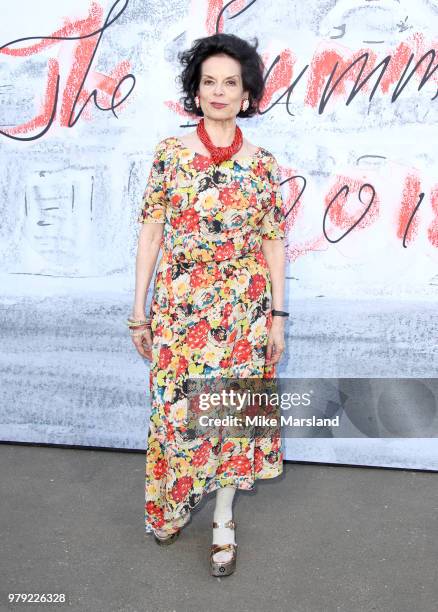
(213, 204)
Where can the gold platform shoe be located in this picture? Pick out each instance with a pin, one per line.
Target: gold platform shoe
(170, 539)
(219, 568)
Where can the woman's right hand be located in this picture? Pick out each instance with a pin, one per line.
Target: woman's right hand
(143, 343)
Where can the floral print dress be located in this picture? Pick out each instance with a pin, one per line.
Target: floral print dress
(210, 317)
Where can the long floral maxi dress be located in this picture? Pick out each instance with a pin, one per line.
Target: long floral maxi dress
(211, 314)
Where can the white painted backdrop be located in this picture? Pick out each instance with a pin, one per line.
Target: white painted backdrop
(80, 114)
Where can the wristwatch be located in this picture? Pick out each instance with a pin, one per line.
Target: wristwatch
(279, 313)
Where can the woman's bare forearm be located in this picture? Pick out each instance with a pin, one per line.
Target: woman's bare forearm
(149, 242)
(275, 256)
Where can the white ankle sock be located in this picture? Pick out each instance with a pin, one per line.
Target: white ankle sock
(224, 512)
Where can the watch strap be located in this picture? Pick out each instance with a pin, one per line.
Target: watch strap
(279, 313)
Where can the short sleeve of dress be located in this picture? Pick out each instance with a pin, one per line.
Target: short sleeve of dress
(273, 224)
(153, 206)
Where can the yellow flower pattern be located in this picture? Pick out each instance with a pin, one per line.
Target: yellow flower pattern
(211, 315)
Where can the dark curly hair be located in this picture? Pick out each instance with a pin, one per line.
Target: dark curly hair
(251, 65)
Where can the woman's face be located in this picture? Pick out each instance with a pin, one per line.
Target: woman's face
(221, 81)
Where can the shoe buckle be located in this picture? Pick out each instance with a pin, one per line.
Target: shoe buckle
(229, 524)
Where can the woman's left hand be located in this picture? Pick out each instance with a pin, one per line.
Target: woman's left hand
(276, 344)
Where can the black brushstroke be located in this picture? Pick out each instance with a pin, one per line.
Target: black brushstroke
(417, 206)
(297, 199)
(222, 11)
(346, 189)
(357, 86)
(110, 19)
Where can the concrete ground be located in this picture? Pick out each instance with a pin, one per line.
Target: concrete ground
(321, 538)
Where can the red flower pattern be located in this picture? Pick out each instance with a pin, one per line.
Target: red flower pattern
(181, 488)
(165, 357)
(242, 350)
(160, 468)
(197, 335)
(239, 464)
(247, 196)
(256, 287)
(201, 455)
(225, 251)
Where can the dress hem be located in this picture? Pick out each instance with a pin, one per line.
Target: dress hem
(211, 489)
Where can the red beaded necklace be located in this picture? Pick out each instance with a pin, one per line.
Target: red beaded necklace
(219, 154)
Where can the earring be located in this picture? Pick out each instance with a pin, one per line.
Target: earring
(244, 105)
(197, 101)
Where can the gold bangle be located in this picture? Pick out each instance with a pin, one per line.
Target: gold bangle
(137, 326)
(142, 325)
(132, 323)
